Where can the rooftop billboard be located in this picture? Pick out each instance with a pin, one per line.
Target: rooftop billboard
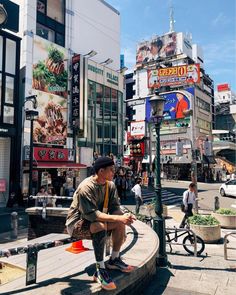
(174, 76)
(161, 47)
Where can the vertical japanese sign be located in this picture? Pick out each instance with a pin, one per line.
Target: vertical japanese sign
(75, 91)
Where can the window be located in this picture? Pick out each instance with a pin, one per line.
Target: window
(41, 7)
(8, 116)
(45, 32)
(9, 90)
(202, 104)
(10, 56)
(51, 20)
(55, 10)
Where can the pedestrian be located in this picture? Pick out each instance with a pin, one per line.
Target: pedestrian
(189, 199)
(138, 195)
(95, 209)
(42, 196)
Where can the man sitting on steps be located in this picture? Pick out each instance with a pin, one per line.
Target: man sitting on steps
(90, 217)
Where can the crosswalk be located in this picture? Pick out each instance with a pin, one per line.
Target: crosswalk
(168, 198)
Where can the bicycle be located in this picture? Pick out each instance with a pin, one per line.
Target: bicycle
(188, 241)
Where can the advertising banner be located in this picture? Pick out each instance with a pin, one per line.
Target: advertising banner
(161, 47)
(50, 84)
(179, 75)
(177, 104)
(137, 129)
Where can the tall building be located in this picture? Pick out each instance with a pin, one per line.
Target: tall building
(70, 62)
(172, 66)
(10, 117)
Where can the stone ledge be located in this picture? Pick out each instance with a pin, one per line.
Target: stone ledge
(61, 272)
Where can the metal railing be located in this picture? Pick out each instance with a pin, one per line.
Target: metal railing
(226, 241)
(31, 252)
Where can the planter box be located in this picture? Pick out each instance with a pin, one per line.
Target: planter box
(54, 222)
(209, 233)
(226, 221)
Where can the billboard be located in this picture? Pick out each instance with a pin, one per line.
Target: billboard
(50, 84)
(174, 76)
(176, 106)
(137, 129)
(161, 47)
(223, 87)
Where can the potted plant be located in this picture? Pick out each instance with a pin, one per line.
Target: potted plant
(226, 217)
(206, 227)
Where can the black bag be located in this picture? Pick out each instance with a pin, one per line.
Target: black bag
(182, 206)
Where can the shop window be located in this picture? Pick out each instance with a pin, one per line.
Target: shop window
(10, 56)
(8, 115)
(114, 101)
(91, 90)
(9, 91)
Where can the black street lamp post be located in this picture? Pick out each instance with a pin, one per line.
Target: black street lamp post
(157, 104)
(31, 115)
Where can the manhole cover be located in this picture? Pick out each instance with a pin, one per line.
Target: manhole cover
(10, 272)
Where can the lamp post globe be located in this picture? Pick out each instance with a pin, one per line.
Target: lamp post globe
(157, 105)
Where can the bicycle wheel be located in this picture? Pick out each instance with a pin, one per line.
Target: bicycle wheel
(189, 240)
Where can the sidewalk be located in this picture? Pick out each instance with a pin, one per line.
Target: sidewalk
(208, 274)
(187, 275)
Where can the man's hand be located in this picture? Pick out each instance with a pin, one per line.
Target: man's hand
(127, 218)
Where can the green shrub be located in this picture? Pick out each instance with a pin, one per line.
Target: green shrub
(203, 220)
(225, 211)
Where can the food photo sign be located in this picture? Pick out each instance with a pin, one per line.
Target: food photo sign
(50, 84)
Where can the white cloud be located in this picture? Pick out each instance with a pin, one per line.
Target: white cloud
(220, 19)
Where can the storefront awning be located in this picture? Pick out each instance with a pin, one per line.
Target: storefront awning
(60, 165)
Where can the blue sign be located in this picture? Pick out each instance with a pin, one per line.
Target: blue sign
(177, 102)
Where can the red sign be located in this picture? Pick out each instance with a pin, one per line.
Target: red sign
(50, 154)
(3, 186)
(179, 75)
(223, 87)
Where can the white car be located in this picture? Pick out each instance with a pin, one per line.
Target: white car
(228, 188)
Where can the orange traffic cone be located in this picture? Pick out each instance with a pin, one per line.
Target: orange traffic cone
(77, 247)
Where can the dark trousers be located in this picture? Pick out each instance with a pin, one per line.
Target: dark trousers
(138, 202)
(187, 214)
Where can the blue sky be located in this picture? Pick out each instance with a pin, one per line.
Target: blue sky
(212, 24)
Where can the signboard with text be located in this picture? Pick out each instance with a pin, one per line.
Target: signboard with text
(173, 76)
(50, 154)
(75, 100)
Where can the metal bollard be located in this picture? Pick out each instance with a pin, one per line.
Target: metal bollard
(216, 203)
(14, 225)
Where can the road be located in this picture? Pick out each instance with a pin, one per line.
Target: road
(206, 193)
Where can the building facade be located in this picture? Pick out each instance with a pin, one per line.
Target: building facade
(172, 66)
(70, 61)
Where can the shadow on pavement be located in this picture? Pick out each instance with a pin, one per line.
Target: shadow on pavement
(159, 282)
